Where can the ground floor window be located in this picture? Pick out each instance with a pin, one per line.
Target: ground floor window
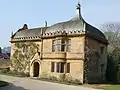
(52, 66)
(60, 67)
(57, 67)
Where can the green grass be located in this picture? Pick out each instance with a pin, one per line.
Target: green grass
(112, 87)
(2, 83)
(6, 71)
(104, 86)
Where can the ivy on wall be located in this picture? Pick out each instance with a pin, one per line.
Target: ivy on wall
(23, 53)
(91, 64)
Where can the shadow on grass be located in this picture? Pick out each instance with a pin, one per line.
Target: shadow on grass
(12, 87)
(3, 83)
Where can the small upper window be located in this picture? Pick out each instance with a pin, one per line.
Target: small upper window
(101, 50)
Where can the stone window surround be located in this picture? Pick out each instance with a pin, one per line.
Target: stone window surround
(60, 67)
(61, 45)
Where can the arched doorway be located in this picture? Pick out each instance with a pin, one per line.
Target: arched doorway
(36, 69)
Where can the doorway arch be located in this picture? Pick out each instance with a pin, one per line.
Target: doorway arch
(36, 66)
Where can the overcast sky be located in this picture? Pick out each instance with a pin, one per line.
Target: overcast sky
(15, 13)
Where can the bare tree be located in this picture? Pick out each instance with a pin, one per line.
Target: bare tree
(112, 33)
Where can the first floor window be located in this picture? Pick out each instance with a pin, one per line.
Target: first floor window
(53, 46)
(69, 45)
(61, 45)
(68, 67)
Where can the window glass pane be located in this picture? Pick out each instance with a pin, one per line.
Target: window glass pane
(58, 41)
(62, 68)
(52, 66)
(69, 45)
(69, 42)
(57, 67)
(63, 48)
(53, 48)
(69, 48)
(68, 67)
(58, 47)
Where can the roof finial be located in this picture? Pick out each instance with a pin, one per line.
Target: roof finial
(11, 34)
(25, 27)
(78, 11)
(78, 7)
(45, 23)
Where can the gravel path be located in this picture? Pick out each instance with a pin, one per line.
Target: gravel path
(17, 83)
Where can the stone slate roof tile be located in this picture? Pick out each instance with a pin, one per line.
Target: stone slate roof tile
(29, 32)
(66, 26)
(75, 24)
(94, 31)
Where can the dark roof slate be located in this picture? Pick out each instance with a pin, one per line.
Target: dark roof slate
(28, 33)
(66, 26)
(94, 31)
(76, 23)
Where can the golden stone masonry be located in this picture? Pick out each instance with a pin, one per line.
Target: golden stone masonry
(71, 50)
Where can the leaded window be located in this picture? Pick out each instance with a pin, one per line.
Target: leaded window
(53, 46)
(52, 66)
(57, 67)
(58, 45)
(60, 67)
(69, 45)
(61, 45)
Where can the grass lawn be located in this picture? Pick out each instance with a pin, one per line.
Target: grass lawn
(105, 86)
(112, 87)
(2, 83)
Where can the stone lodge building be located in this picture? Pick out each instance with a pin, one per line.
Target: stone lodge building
(70, 50)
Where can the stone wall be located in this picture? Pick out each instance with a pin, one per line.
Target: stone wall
(80, 51)
(75, 58)
(95, 60)
(21, 54)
